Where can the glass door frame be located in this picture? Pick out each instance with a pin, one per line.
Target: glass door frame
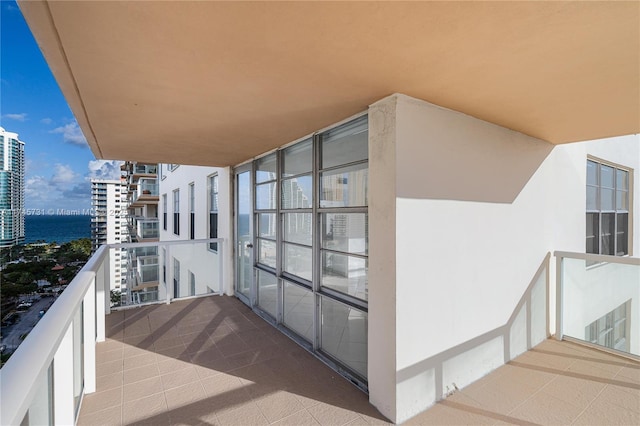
(249, 299)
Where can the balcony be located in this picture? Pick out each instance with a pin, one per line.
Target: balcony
(184, 359)
(145, 169)
(146, 193)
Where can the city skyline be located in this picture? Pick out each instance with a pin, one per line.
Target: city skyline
(59, 165)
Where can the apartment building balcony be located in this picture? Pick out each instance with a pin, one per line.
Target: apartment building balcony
(180, 358)
(140, 170)
(146, 192)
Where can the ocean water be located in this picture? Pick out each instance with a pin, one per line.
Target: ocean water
(56, 228)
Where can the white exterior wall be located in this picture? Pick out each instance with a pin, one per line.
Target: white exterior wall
(463, 217)
(197, 259)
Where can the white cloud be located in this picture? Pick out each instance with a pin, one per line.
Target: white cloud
(63, 175)
(104, 169)
(46, 120)
(18, 117)
(71, 134)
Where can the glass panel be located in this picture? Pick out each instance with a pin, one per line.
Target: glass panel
(606, 176)
(622, 200)
(298, 261)
(344, 334)
(266, 168)
(346, 274)
(606, 199)
(266, 196)
(267, 252)
(592, 173)
(622, 234)
(78, 358)
(346, 144)
(298, 159)
(622, 179)
(297, 193)
(298, 228)
(592, 233)
(346, 187)
(592, 198)
(347, 232)
(607, 233)
(201, 269)
(298, 310)
(41, 409)
(267, 225)
(267, 292)
(595, 303)
(243, 229)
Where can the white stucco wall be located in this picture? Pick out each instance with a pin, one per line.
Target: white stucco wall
(467, 218)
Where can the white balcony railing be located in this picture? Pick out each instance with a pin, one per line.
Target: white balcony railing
(596, 301)
(46, 378)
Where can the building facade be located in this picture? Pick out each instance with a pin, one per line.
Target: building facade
(12, 171)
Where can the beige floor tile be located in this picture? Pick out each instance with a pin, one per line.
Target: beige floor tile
(574, 391)
(108, 417)
(148, 410)
(545, 409)
(604, 413)
(630, 373)
(300, 418)
(114, 355)
(278, 405)
(101, 400)
(620, 397)
(142, 389)
(185, 396)
(142, 360)
(110, 381)
(500, 395)
(109, 368)
(168, 365)
(327, 414)
(247, 415)
(179, 378)
(441, 414)
(140, 373)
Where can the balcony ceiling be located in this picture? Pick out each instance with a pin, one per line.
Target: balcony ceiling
(215, 83)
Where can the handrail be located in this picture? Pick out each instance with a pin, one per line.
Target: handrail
(20, 374)
(625, 260)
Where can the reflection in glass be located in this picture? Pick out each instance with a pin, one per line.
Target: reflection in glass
(267, 225)
(266, 196)
(606, 176)
(298, 310)
(347, 232)
(297, 228)
(298, 158)
(297, 193)
(345, 187)
(346, 274)
(346, 144)
(266, 168)
(298, 261)
(592, 173)
(267, 292)
(243, 219)
(267, 252)
(344, 334)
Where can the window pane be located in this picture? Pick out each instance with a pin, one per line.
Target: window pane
(267, 292)
(344, 187)
(297, 228)
(346, 144)
(266, 196)
(622, 200)
(622, 179)
(622, 234)
(592, 173)
(267, 225)
(608, 232)
(267, 252)
(298, 310)
(346, 274)
(606, 176)
(344, 334)
(266, 168)
(298, 261)
(347, 232)
(297, 193)
(592, 233)
(592, 198)
(606, 199)
(298, 159)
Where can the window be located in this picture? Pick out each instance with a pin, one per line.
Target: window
(192, 212)
(607, 221)
(176, 212)
(164, 211)
(176, 278)
(213, 210)
(611, 330)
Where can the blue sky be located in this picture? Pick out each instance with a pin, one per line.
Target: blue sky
(59, 163)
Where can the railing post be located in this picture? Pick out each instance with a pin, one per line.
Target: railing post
(89, 328)
(63, 380)
(101, 301)
(559, 295)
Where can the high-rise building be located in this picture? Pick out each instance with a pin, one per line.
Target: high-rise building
(109, 221)
(11, 189)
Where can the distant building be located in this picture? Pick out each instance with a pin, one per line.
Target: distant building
(11, 189)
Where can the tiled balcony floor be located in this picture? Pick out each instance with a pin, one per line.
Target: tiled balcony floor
(211, 361)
